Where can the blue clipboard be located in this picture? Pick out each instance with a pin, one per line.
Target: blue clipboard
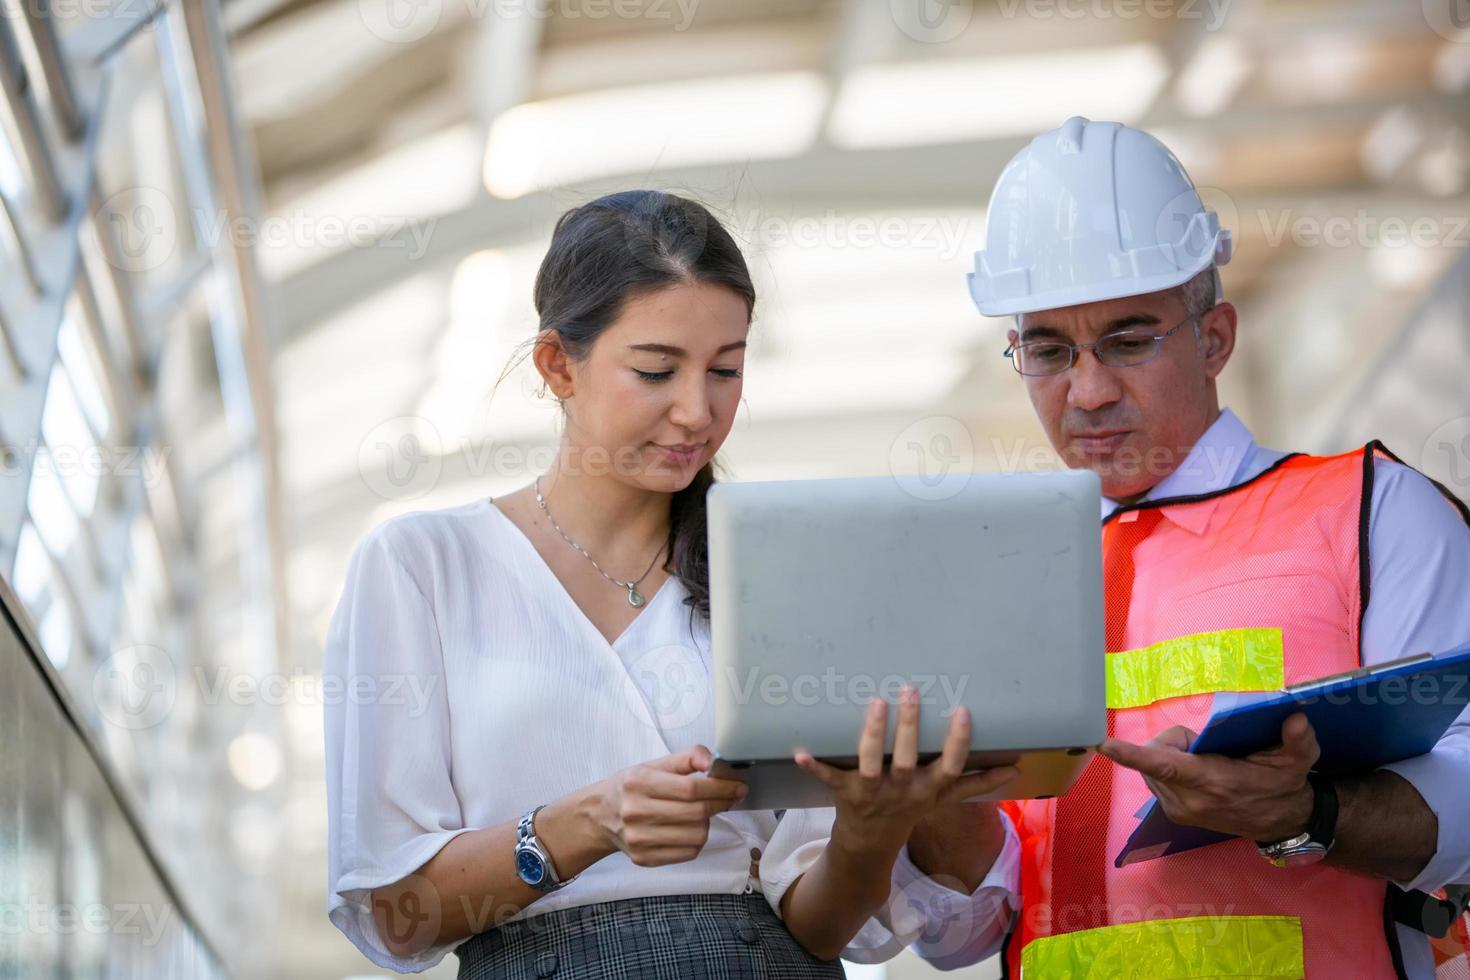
(1364, 719)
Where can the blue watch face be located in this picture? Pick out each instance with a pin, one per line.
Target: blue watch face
(530, 867)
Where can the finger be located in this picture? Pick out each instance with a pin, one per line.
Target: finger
(688, 834)
(715, 790)
(658, 856)
(712, 807)
(1163, 792)
(673, 811)
(664, 813)
(1178, 737)
(694, 759)
(906, 735)
(870, 743)
(983, 784)
(1168, 799)
(829, 775)
(701, 758)
(1163, 763)
(1300, 739)
(951, 761)
(690, 788)
(1298, 751)
(1185, 809)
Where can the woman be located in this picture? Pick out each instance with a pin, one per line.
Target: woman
(538, 799)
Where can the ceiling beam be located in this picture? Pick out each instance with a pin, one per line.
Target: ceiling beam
(930, 176)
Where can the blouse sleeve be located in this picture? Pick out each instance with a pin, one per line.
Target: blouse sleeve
(390, 802)
(916, 907)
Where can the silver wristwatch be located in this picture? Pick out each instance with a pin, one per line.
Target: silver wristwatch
(1294, 851)
(1313, 844)
(533, 863)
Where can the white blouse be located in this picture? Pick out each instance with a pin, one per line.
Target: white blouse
(465, 687)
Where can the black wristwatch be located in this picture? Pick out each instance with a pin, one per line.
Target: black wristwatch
(1312, 845)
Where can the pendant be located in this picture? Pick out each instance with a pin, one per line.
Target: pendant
(635, 598)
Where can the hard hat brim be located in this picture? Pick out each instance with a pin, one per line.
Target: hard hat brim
(1098, 291)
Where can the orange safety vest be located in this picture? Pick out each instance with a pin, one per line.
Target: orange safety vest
(1247, 589)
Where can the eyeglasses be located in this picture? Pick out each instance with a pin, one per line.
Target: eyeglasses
(1122, 348)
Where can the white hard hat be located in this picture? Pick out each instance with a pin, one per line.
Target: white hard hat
(1091, 211)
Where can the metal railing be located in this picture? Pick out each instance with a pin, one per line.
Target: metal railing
(88, 317)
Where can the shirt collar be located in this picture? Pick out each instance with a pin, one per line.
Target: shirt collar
(1223, 456)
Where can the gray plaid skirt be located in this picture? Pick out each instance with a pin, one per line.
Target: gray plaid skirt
(664, 937)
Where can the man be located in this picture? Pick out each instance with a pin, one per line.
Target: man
(1230, 571)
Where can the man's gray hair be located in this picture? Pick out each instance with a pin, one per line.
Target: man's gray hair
(1201, 291)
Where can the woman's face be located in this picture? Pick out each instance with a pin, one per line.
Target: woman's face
(655, 398)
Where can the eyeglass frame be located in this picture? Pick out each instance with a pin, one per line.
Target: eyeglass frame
(1074, 349)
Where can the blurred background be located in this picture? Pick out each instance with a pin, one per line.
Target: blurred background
(262, 264)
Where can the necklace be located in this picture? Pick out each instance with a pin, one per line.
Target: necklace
(635, 598)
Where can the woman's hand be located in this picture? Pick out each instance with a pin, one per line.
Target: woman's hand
(658, 812)
(877, 810)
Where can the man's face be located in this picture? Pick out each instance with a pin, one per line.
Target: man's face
(1132, 426)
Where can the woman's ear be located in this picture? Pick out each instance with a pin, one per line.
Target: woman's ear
(553, 364)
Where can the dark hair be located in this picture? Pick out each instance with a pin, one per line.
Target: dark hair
(610, 250)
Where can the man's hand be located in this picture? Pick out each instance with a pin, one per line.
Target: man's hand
(1263, 797)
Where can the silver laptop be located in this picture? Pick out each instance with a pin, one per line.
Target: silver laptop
(826, 593)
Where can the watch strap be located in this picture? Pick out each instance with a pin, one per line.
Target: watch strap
(1322, 827)
(1322, 823)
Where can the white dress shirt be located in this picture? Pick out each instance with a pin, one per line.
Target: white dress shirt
(1419, 567)
(475, 689)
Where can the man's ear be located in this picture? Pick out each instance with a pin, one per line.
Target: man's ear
(1217, 334)
(553, 364)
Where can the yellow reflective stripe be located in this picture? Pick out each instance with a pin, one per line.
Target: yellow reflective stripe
(1234, 946)
(1228, 660)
